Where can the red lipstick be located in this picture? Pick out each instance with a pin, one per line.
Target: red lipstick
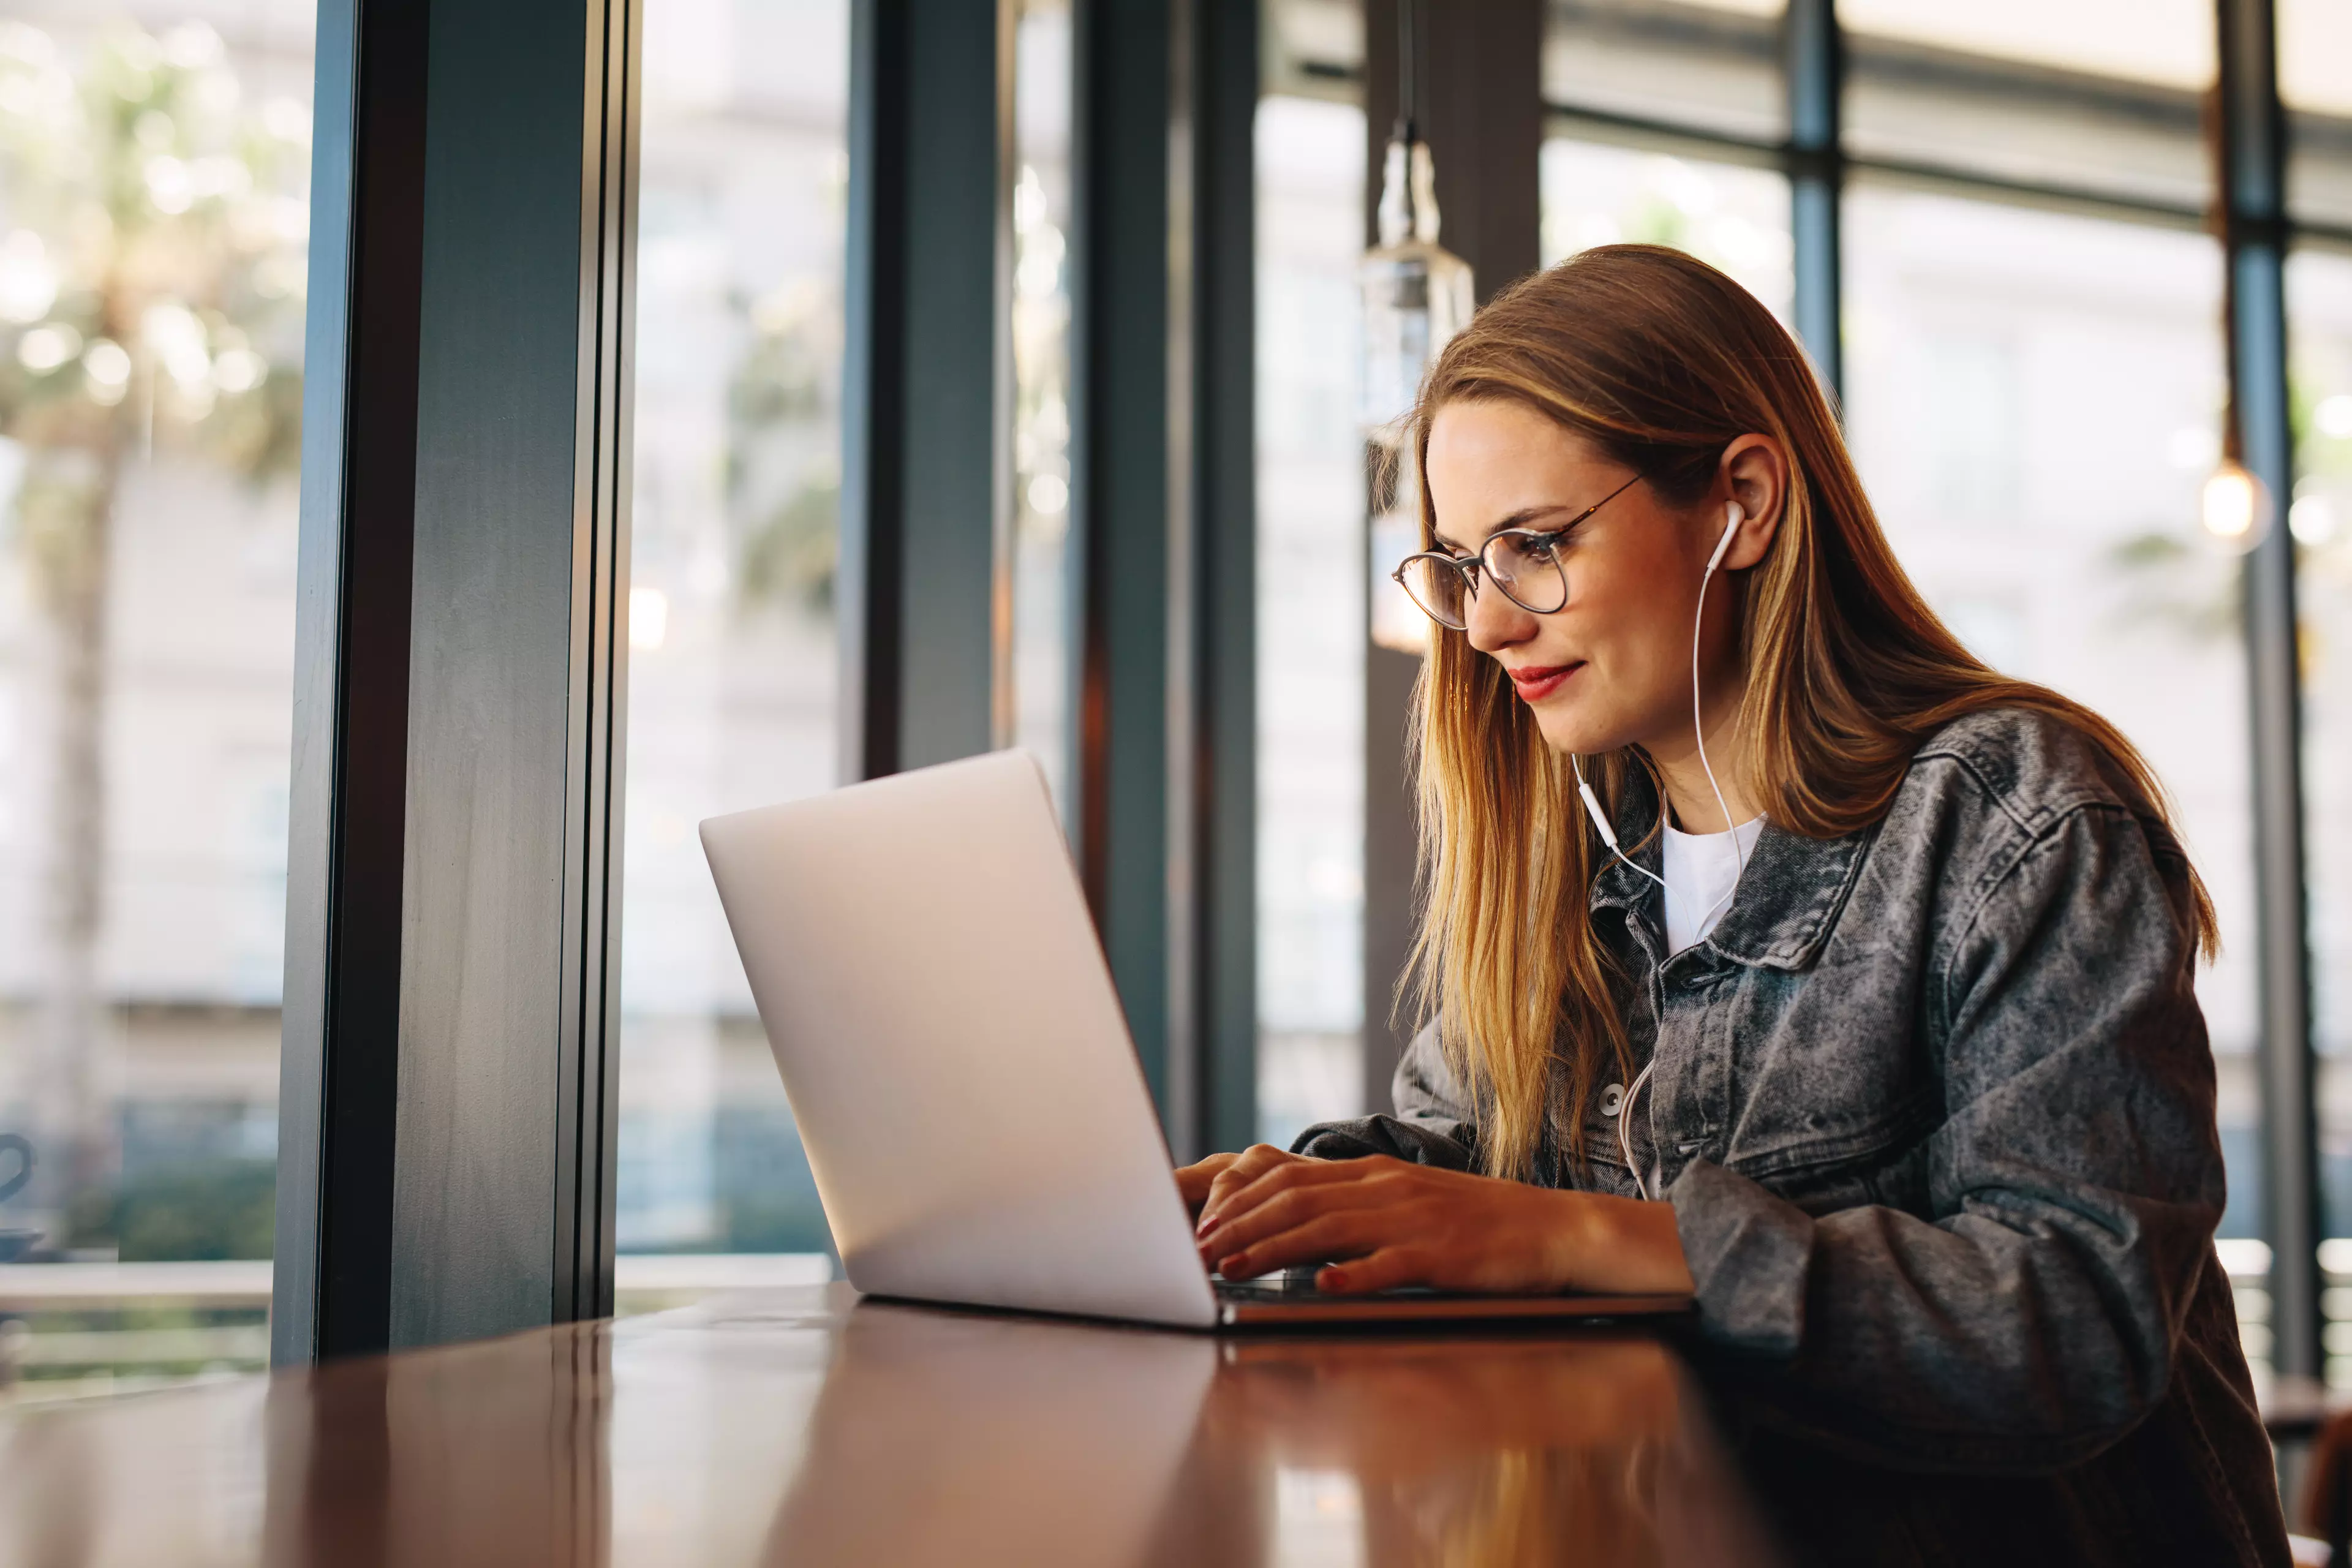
(1536, 682)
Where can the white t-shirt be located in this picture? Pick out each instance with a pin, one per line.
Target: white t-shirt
(1701, 870)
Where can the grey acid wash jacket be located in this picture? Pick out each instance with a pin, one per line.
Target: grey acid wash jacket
(1934, 1104)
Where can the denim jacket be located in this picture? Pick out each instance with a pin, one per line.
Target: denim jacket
(1935, 1106)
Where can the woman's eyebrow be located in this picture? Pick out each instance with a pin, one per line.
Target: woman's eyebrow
(1520, 519)
(1528, 514)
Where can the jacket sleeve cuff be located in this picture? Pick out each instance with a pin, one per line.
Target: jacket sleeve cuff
(1421, 1143)
(1750, 1253)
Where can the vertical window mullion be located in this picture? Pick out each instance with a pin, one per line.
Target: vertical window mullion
(2252, 202)
(1816, 164)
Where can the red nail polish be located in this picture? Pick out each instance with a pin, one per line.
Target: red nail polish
(1208, 1227)
(1333, 1279)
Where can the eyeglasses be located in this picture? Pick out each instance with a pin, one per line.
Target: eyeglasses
(1524, 563)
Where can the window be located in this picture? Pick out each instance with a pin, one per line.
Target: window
(1043, 667)
(733, 666)
(1713, 64)
(1311, 577)
(153, 227)
(2090, 93)
(2315, 39)
(2034, 396)
(1733, 217)
(733, 661)
(2034, 400)
(2169, 41)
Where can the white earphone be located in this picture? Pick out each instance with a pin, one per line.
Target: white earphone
(1734, 515)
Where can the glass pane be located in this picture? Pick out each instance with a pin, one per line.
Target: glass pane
(2319, 326)
(155, 180)
(2034, 400)
(1314, 49)
(732, 656)
(1714, 64)
(2167, 41)
(1041, 590)
(2103, 93)
(1310, 575)
(1735, 218)
(2314, 40)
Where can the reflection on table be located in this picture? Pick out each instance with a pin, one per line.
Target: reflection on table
(804, 1427)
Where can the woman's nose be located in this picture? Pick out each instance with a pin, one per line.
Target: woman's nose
(1495, 623)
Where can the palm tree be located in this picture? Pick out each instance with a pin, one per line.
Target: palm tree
(153, 235)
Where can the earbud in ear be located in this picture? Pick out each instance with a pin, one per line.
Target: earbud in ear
(1733, 516)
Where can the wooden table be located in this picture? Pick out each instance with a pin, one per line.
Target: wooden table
(803, 1426)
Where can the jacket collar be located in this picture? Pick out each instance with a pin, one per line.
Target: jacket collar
(1788, 898)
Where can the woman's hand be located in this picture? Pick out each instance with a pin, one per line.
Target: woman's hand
(1383, 1223)
(1209, 1181)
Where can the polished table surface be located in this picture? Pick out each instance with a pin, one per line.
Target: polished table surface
(806, 1426)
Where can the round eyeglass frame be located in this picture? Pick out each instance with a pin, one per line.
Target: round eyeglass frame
(1469, 568)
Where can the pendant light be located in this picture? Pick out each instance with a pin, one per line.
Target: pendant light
(2234, 508)
(1416, 295)
(2234, 505)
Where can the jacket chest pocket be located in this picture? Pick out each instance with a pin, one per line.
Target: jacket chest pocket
(1819, 1086)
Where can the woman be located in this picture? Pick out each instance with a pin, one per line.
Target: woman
(1878, 1036)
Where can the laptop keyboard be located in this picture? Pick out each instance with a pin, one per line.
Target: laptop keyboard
(1290, 1285)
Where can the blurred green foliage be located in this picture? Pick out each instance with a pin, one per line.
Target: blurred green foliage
(200, 1210)
(784, 488)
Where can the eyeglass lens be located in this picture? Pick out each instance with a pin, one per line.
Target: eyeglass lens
(1436, 586)
(1526, 566)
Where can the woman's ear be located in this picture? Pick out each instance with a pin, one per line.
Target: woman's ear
(1756, 475)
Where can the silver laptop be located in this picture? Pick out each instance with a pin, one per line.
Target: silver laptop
(970, 1102)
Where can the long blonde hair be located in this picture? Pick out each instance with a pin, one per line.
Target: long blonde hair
(1660, 361)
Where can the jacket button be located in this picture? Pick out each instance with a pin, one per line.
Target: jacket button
(1613, 1099)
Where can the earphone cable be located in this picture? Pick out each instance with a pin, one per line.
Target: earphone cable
(1698, 720)
(1625, 1127)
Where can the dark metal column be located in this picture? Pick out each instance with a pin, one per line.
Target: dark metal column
(1483, 118)
(2251, 200)
(1124, 319)
(340, 1060)
(1816, 81)
(1213, 583)
(446, 1113)
(919, 383)
(1163, 528)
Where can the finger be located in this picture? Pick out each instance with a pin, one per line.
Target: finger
(1228, 1182)
(1384, 1269)
(1236, 1207)
(1351, 1232)
(1247, 1193)
(1242, 1169)
(1193, 1181)
(1289, 1209)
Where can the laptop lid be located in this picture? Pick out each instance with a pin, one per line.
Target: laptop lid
(930, 982)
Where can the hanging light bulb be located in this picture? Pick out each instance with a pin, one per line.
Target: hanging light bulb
(2236, 507)
(1417, 294)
